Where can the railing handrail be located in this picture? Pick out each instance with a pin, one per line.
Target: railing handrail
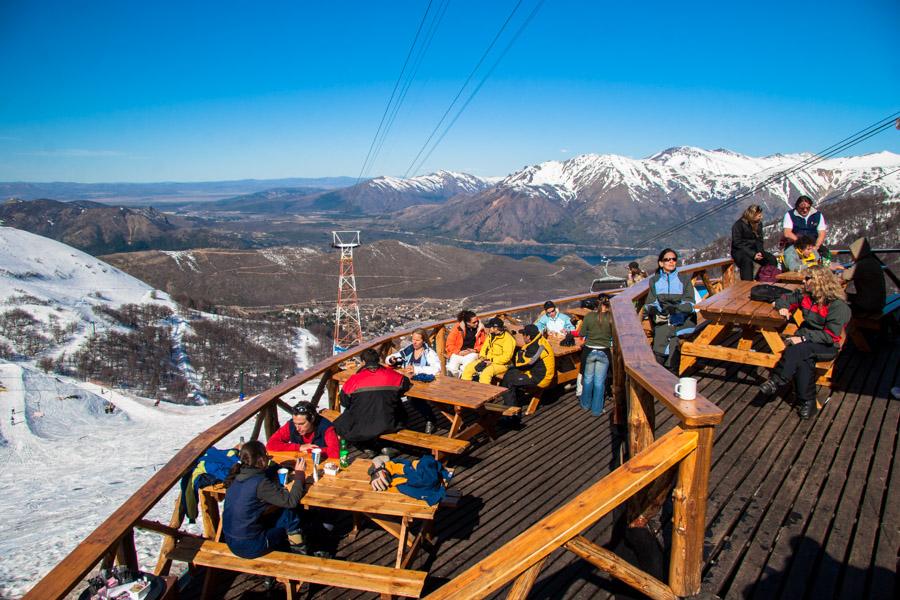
(639, 363)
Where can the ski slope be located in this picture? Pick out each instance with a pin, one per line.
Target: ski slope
(67, 464)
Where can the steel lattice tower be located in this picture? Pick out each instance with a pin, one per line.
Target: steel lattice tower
(347, 327)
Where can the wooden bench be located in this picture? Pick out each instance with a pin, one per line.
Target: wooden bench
(295, 568)
(437, 444)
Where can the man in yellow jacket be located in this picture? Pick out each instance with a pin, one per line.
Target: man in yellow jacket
(534, 366)
(495, 355)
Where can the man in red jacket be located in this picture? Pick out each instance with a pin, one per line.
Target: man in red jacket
(372, 403)
(306, 430)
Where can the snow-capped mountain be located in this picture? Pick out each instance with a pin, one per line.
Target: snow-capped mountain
(614, 200)
(443, 183)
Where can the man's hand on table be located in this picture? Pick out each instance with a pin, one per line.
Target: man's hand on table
(306, 447)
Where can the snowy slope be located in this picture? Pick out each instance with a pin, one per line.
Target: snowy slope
(67, 464)
(700, 174)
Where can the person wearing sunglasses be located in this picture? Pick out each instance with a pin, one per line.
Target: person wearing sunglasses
(804, 220)
(554, 322)
(464, 342)
(825, 311)
(670, 308)
(306, 429)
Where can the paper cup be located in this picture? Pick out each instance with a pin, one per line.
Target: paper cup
(316, 456)
(282, 476)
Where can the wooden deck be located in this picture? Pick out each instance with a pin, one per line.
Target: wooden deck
(796, 509)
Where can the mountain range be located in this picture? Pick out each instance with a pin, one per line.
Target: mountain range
(595, 200)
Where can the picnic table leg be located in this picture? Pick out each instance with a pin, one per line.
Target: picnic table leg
(746, 341)
(456, 422)
(209, 511)
(706, 337)
(163, 564)
(776, 344)
(355, 531)
(401, 547)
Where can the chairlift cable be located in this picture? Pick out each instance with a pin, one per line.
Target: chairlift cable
(829, 152)
(464, 85)
(512, 41)
(393, 92)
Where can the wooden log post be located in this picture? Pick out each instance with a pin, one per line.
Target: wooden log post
(606, 561)
(689, 519)
(728, 275)
(440, 344)
(257, 426)
(270, 420)
(620, 410)
(163, 564)
(641, 427)
(524, 582)
(126, 553)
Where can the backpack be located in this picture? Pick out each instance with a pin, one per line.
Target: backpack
(768, 273)
(767, 293)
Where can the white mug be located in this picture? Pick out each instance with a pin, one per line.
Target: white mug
(686, 388)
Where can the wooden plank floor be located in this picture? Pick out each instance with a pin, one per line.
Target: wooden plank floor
(796, 509)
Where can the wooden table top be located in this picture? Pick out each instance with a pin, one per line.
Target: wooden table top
(445, 390)
(349, 490)
(735, 301)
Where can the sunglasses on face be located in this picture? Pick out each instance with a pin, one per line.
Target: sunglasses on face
(303, 409)
(807, 278)
(669, 259)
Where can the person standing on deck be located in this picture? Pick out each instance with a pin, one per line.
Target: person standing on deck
(596, 330)
(867, 275)
(495, 355)
(418, 358)
(670, 308)
(804, 220)
(372, 402)
(464, 342)
(825, 315)
(554, 322)
(747, 242)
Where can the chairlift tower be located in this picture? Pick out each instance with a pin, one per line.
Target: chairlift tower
(347, 326)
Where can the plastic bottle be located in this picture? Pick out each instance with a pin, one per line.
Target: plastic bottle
(344, 455)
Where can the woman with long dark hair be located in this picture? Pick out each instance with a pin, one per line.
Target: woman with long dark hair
(747, 242)
(248, 527)
(670, 308)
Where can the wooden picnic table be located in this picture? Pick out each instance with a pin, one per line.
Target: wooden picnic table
(461, 396)
(349, 491)
(730, 308)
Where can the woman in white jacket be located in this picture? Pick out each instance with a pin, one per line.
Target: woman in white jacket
(418, 358)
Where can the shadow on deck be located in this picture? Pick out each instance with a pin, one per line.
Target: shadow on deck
(796, 509)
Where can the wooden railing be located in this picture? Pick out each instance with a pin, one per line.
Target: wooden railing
(689, 446)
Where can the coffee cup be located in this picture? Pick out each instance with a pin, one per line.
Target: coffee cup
(282, 476)
(686, 388)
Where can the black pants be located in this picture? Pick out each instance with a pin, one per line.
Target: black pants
(518, 384)
(744, 262)
(423, 408)
(799, 363)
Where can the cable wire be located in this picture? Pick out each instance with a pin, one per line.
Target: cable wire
(462, 108)
(393, 93)
(463, 86)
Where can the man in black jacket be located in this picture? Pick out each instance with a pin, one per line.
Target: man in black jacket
(372, 402)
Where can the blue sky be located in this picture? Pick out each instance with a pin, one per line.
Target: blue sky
(186, 91)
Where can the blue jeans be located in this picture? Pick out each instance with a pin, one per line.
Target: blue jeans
(596, 366)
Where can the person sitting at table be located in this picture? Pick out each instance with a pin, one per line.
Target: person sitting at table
(418, 358)
(596, 330)
(825, 315)
(495, 355)
(372, 402)
(867, 275)
(306, 429)
(534, 366)
(747, 242)
(554, 322)
(249, 528)
(804, 220)
(635, 273)
(801, 255)
(670, 308)
(463, 342)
